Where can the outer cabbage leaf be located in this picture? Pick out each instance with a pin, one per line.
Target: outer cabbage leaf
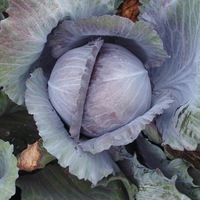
(195, 174)
(153, 157)
(152, 183)
(118, 3)
(8, 170)
(7, 106)
(3, 7)
(177, 23)
(4, 103)
(56, 138)
(24, 33)
(54, 182)
(139, 38)
(152, 133)
(185, 183)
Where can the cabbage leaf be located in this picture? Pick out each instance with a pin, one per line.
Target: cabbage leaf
(24, 33)
(3, 7)
(157, 171)
(142, 40)
(8, 170)
(56, 138)
(152, 183)
(178, 24)
(166, 40)
(129, 132)
(54, 182)
(139, 38)
(154, 158)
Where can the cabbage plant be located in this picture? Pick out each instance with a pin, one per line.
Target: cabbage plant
(95, 81)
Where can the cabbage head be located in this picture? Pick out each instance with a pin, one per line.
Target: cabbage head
(94, 81)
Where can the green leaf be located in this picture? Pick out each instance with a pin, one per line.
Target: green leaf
(8, 170)
(113, 180)
(4, 103)
(145, 2)
(185, 183)
(24, 33)
(7, 106)
(153, 184)
(118, 3)
(152, 133)
(54, 182)
(3, 5)
(195, 174)
(143, 7)
(154, 158)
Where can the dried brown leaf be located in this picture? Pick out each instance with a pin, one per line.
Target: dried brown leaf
(129, 9)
